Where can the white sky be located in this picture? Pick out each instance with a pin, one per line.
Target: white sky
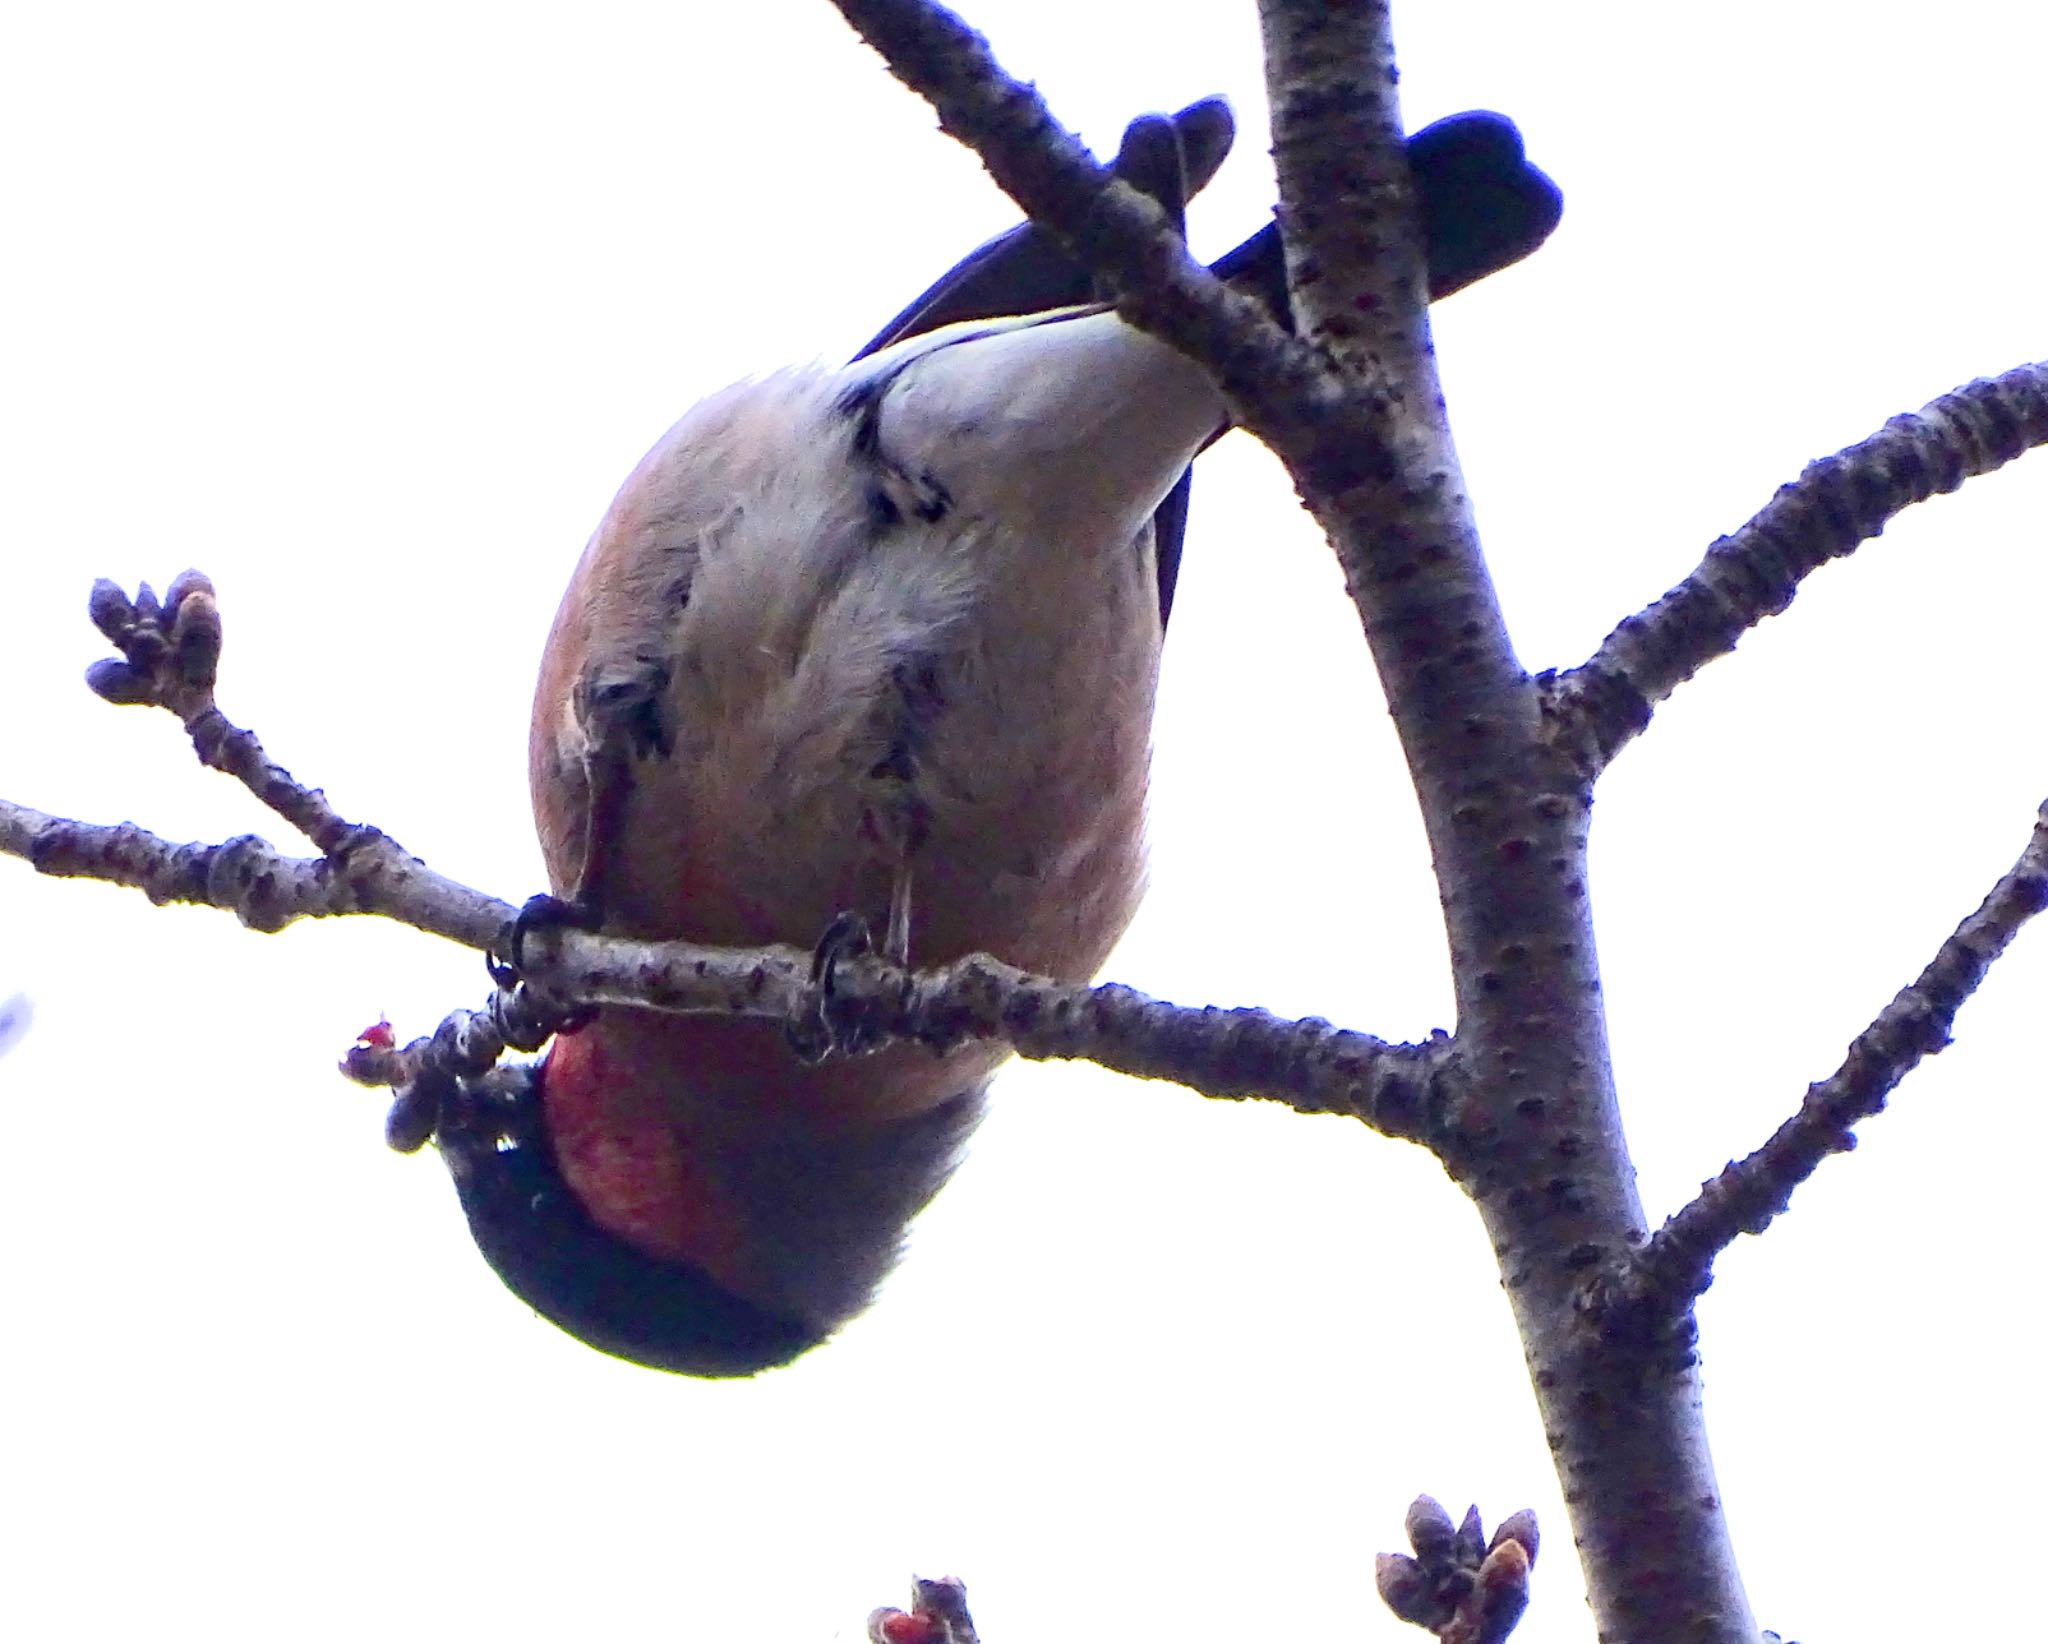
(366, 313)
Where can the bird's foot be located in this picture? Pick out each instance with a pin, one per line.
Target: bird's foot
(836, 1024)
(527, 1016)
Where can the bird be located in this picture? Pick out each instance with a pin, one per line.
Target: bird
(874, 642)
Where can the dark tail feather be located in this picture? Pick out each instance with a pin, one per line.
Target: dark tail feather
(1484, 207)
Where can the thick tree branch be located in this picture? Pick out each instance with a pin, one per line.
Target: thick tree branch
(1349, 216)
(1370, 449)
(1676, 1264)
(1835, 505)
(1536, 1135)
(1506, 816)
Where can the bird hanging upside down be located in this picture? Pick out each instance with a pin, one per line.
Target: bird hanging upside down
(882, 641)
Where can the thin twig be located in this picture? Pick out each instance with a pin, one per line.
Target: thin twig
(170, 655)
(1835, 505)
(1676, 1263)
(1230, 1054)
(466, 1046)
(253, 880)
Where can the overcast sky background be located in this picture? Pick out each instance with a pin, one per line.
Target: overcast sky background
(368, 312)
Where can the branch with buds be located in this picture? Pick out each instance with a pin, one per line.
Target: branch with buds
(1460, 1585)
(169, 657)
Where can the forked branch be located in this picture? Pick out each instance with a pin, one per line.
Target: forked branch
(1837, 504)
(1676, 1264)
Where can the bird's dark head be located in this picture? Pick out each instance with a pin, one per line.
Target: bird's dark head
(531, 1228)
(817, 1218)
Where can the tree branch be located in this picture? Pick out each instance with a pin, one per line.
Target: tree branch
(250, 878)
(1676, 1264)
(1835, 505)
(1229, 1054)
(1115, 231)
(170, 657)
(1506, 815)
(1226, 1053)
